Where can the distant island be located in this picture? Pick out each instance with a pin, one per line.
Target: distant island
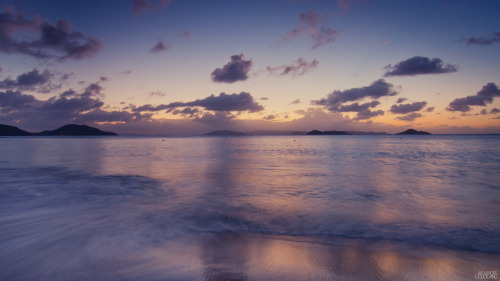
(67, 130)
(288, 133)
(413, 132)
(317, 133)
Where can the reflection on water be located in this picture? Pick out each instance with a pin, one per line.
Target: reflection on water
(249, 208)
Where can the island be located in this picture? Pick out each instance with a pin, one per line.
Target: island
(318, 133)
(66, 130)
(413, 132)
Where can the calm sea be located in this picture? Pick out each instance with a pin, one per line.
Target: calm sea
(250, 208)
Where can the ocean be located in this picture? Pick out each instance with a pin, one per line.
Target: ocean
(382, 207)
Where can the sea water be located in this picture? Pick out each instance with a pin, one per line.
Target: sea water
(250, 208)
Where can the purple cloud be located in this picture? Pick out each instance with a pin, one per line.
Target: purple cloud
(495, 111)
(376, 90)
(67, 107)
(223, 102)
(235, 70)
(300, 67)
(400, 100)
(419, 65)
(310, 24)
(407, 108)
(159, 47)
(483, 97)
(29, 81)
(142, 6)
(44, 40)
(410, 117)
(335, 102)
(483, 40)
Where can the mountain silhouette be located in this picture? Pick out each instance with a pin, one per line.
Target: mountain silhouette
(67, 130)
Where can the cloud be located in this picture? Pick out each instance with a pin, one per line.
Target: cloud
(367, 114)
(343, 6)
(300, 67)
(269, 117)
(44, 40)
(297, 101)
(159, 47)
(223, 102)
(142, 6)
(334, 102)
(410, 117)
(67, 107)
(376, 90)
(400, 100)
(235, 70)
(216, 119)
(188, 111)
(483, 97)
(419, 65)
(430, 109)
(310, 24)
(495, 111)
(407, 108)
(157, 94)
(29, 81)
(483, 40)
(264, 98)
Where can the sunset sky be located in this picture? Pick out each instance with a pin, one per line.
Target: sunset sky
(184, 67)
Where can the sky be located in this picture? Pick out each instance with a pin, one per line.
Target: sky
(186, 67)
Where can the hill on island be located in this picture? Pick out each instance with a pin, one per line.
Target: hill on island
(413, 132)
(6, 130)
(67, 130)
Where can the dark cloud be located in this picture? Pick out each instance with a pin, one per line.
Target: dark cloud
(335, 102)
(483, 112)
(419, 65)
(159, 47)
(235, 70)
(410, 117)
(367, 114)
(483, 40)
(44, 40)
(188, 111)
(300, 67)
(495, 111)
(142, 6)
(407, 108)
(356, 107)
(223, 102)
(483, 97)
(29, 81)
(376, 90)
(310, 24)
(430, 109)
(400, 100)
(67, 107)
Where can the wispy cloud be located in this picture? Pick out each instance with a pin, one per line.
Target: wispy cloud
(483, 40)
(409, 117)
(311, 24)
(142, 6)
(299, 67)
(159, 47)
(419, 65)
